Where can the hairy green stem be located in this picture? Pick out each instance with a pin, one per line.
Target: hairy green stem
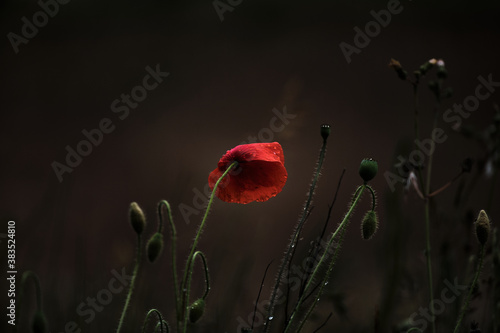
(160, 320)
(324, 257)
(162, 204)
(295, 237)
(471, 289)
(324, 282)
(132, 283)
(185, 286)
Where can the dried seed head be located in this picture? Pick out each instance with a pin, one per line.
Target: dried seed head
(137, 218)
(325, 131)
(482, 227)
(402, 74)
(154, 247)
(196, 310)
(368, 169)
(369, 225)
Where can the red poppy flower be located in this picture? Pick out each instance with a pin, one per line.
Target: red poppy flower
(259, 176)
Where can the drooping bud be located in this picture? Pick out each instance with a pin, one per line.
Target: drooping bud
(402, 74)
(154, 246)
(482, 227)
(368, 169)
(39, 324)
(369, 225)
(325, 131)
(196, 310)
(137, 218)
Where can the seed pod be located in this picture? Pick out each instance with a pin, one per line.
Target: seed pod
(482, 227)
(369, 225)
(325, 131)
(137, 218)
(196, 310)
(368, 169)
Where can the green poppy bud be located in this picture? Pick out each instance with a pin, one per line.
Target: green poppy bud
(196, 310)
(369, 225)
(368, 169)
(137, 218)
(39, 324)
(155, 246)
(482, 227)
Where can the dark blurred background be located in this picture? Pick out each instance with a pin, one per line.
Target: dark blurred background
(226, 77)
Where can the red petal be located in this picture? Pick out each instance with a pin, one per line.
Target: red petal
(260, 175)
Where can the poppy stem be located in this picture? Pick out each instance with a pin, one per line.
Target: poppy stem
(161, 322)
(161, 204)
(132, 283)
(324, 257)
(471, 289)
(182, 316)
(295, 237)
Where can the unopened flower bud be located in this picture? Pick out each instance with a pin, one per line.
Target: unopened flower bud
(137, 218)
(402, 74)
(369, 225)
(368, 169)
(155, 246)
(196, 310)
(482, 227)
(39, 324)
(325, 131)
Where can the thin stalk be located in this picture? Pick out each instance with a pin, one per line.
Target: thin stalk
(416, 126)
(190, 274)
(174, 248)
(359, 193)
(160, 320)
(132, 283)
(469, 294)
(324, 282)
(291, 248)
(185, 286)
(427, 222)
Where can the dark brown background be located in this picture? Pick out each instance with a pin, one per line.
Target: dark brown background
(225, 79)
